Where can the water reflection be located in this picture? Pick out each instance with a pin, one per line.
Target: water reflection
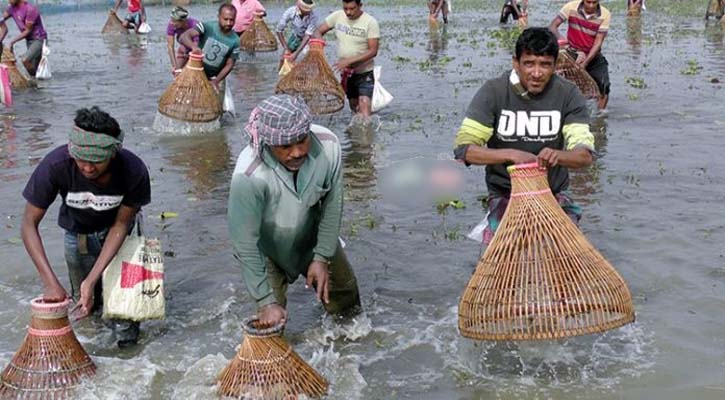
(634, 34)
(8, 143)
(203, 159)
(437, 41)
(359, 164)
(587, 182)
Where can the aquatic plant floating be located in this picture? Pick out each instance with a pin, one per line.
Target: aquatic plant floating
(266, 367)
(540, 278)
(313, 79)
(50, 361)
(191, 97)
(258, 38)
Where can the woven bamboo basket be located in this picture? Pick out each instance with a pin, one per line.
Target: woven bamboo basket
(18, 80)
(50, 362)
(266, 367)
(113, 24)
(567, 68)
(523, 21)
(258, 38)
(540, 278)
(191, 97)
(313, 79)
(714, 9)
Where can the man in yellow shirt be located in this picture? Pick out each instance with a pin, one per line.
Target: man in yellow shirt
(357, 35)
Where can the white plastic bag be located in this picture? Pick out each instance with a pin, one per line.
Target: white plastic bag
(476, 233)
(229, 102)
(381, 97)
(450, 7)
(144, 28)
(43, 71)
(133, 283)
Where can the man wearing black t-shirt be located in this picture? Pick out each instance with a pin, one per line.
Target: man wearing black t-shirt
(102, 187)
(527, 115)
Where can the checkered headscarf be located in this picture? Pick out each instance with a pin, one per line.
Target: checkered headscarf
(278, 121)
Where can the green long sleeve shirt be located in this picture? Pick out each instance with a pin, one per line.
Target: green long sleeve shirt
(270, 216)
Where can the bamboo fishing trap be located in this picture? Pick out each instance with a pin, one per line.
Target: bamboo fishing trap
(634, 10)
(715, 9)
(191, 99)
(540, 278)
(113, 24)
(18, 80)
(266, 367)
(567, 68)
(313, 79)
(258, 38)
(50, 361)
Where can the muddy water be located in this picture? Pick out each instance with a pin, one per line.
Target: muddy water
(653, 206)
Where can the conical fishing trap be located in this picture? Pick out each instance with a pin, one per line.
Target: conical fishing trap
(113, 24)
(50, 362)
(258, 38)
(266, 367)
(540, 278)
(191, 98)
(313, 79)
(567, 68)
(714, 9)
(18, 80)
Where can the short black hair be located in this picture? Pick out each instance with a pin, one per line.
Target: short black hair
(96, 120)
(350, 1)
(226, 5)
(537, 41)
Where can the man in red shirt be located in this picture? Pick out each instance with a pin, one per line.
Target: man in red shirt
(588, 25)
(136, 14)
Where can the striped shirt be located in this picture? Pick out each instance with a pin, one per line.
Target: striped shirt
(301, 26)
(584, 28)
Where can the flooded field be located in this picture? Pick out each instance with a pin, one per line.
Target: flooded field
(653, 205)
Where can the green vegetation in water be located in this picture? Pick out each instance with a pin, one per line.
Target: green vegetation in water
(444, 204)
(506, 38)
(400, 59)
(693, 68)
(633, 96)
(425, 65)
(635, 82)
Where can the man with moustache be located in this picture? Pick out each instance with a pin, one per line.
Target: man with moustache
(527, 115)
(285, 207)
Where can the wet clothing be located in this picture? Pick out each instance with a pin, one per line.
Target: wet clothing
(582, 28)
(497, 207)
(352, 36)
(23, 14)
(133, 18)
(34, 53)
(87, 207)
(598, 68)
(360, 85)
(245, 14)
(81, 253)
(216, 46)
(134, 6)
(300, 25)
(343, 291)
(171, 30)
(290, 222)
(503, 116)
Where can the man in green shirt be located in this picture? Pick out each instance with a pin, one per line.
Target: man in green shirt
(285, 207)
(357, 35)
(217, 41)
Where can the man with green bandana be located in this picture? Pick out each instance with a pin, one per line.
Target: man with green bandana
(102, 186)
(285, 207)
(527, 115)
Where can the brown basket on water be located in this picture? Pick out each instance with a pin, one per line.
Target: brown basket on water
(50, 362)
(313, 79)
(258, 38)
(567, 68)
(18, 80)
(191, 97)
(540, 278)
(113, 24)
(267, 368)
